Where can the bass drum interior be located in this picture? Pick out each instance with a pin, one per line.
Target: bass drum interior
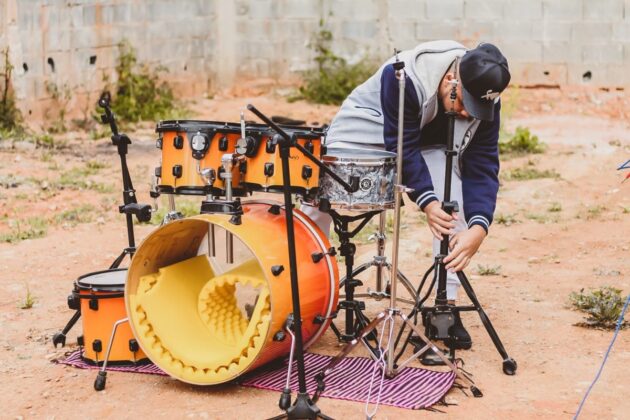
(205, 321)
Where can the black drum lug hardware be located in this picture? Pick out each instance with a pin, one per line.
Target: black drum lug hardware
(318, 256)
(223, 143)
(277, 269)
(274, 209)
(178, 142)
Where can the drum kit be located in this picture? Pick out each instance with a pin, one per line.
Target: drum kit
(207, 313)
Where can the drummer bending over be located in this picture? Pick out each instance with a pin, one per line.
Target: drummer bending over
(368, 119)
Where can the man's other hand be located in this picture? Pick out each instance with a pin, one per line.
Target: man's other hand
(440, 222)
(463, 246)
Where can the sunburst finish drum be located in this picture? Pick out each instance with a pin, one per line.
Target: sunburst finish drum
(207, 324)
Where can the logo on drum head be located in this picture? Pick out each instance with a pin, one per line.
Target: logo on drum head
(365, 184)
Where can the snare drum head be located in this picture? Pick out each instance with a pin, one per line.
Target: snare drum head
(196, 125)
(106, 280)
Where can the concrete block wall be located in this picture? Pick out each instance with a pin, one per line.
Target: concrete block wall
(209, 45)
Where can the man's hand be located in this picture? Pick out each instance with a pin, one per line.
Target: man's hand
(440, 222)
(463, 246)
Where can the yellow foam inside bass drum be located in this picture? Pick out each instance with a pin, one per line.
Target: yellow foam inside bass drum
(209, 342)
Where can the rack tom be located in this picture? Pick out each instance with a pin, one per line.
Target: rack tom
(263, 168)
(191, 157)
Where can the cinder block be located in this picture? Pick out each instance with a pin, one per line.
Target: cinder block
(590, 32)
(483, 9)
(588, 75)
(551, 31)
(521, 51)
(352, 9)
(84, 37)
(523, 9)
(607, 10)
(263, 9)
(602, 54)
(116, 14)
(57, 39)
(300, 9)
(445, 9)
(617, 76)
(515, 30)
(530, 74)
(363, 30)
(472, 32)
(90, 13)
(434, 30)
(563, 10)
(621, 31)
(407, 9)
(76, 15)
(626, 53)
(561, 52)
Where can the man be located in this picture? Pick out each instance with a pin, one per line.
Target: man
(368, 118)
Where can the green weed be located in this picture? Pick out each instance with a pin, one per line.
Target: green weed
(60, 97)
(554, 207)
(10, 116)
(29, 299)
(32, 228)
(520, 143)
(505, 219)
(488, 270)
(333, 79)
(139, 95)
(81, 214)
(603, 306)
(77, 179)
(185, 207)
(528, 173)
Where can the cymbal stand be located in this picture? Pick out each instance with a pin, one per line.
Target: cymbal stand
(439, 318)
(129, 208)
(304, 407)
(388, 317)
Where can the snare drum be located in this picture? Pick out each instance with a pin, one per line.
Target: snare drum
(102, 303)
(376, 171)
(190, 148)
(263, 168)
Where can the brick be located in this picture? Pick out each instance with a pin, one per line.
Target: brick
(589, 32)
(445, 9)
(407, 9)
(602, 54)
(563, 10)
(483, 9)
(523, 9)
(608, 10)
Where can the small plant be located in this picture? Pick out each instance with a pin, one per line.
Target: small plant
(82, 214)
(488, 270)
(77, 178)
(521, 142)
(139, 95)
(603, 306)
(35, 227)
(29, 299)
(505, 219)
(554, 207)
(542, 218)
(528, 173)
(333, 79)
(60, 98)
(10, 115)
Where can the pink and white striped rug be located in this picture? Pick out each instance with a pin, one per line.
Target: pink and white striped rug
(412, 388)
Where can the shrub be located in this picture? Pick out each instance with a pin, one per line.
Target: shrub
(603, 306)
(10, 115)
(521, 142)
(333, 79)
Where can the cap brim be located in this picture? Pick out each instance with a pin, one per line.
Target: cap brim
(480, 109)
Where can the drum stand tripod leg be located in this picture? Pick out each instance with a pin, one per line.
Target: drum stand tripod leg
(60, 337)
(101, 378)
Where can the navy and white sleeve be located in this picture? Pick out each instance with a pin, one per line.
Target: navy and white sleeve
(480, 173)
(415, 171)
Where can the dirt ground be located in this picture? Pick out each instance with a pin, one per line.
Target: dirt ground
(559, 235)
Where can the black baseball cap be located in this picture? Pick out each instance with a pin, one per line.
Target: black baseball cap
(484, 74)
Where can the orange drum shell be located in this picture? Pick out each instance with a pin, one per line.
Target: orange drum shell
(265, 234)
(190, 181)
(98, 325)
(256, 179)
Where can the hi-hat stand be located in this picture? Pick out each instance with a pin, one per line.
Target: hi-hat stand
(438, 319)
(304, 407)
(388, 317)
(130, 206)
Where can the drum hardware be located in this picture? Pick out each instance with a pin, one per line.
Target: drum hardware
(388, 317)
(101, 377)
(303, 407)
(129, 208)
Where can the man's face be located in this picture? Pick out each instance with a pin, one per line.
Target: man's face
(445, 96)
